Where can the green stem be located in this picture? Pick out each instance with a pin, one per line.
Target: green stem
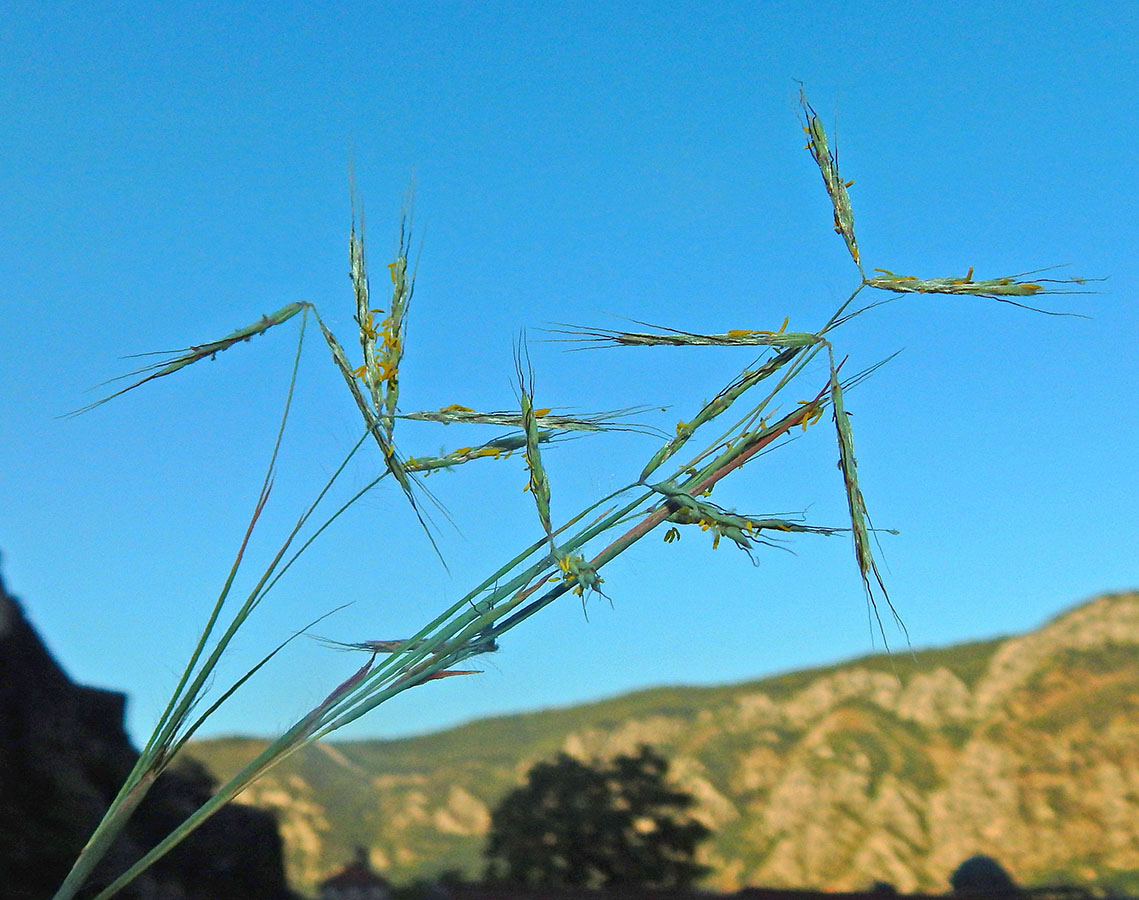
(104, 835)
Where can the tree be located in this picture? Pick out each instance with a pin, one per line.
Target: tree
(982, 875)
(596, 825)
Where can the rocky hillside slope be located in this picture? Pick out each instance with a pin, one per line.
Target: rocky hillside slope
(892, 769)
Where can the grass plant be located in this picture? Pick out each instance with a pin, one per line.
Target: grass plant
(670, 491)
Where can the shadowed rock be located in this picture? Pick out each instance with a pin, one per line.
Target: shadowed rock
(63, 755)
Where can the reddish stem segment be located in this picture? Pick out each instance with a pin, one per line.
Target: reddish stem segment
(651, 521)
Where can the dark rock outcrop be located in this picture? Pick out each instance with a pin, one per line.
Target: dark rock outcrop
(64, 754)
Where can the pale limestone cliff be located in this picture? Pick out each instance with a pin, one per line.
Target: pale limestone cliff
(1023, 749)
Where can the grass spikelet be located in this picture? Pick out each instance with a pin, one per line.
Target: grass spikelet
(340, 360)
(544, 418)
(447, 673)
(674, 338)
(375, 427)
(994, 288)
(374, 371)
(744, 531)
(179, 359)
(395, 325)
(575, 570)
(382, 343)
(481, 645)
(358, 272)
(499, 448)
(827, 161)
(856, 504)
(539, 484)
(715, 407)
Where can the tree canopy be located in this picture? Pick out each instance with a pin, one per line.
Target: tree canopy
(982, 875)
(574, 824)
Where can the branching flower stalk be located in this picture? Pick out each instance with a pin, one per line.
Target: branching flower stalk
(561, 559)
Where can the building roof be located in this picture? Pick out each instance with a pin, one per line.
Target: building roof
(357, 873)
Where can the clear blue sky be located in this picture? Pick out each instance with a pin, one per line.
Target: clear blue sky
(170, 172)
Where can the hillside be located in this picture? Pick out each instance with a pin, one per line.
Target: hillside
(892, 769)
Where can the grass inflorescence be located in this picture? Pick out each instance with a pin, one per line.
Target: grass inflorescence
(762, 406)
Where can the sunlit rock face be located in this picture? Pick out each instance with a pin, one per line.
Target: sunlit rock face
(893, 769)
(63, 755)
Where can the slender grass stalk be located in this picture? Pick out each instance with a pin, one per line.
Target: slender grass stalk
(560, 559)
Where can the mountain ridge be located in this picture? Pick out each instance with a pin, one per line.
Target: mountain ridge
(605, 700)
(892, 768)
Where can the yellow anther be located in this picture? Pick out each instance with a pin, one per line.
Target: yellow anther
(782, 328)
(897, 277)
(542, 412)
(454, 407)
(673, 534)
(368, 326)
(813, 416)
